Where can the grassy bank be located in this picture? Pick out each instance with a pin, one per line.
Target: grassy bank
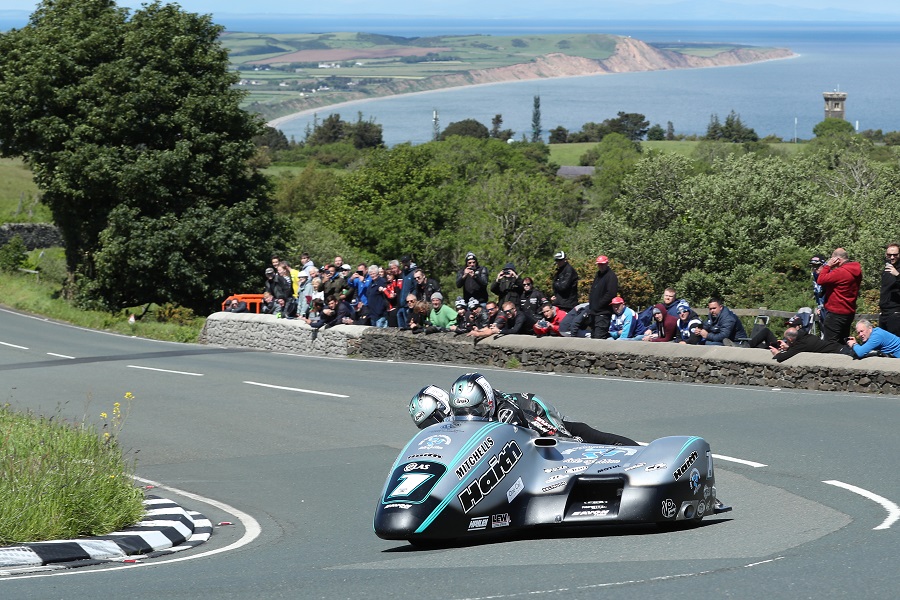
(27, 293)
(61, 479)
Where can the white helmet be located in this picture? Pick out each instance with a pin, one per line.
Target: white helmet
(431, 405)
(471, 394)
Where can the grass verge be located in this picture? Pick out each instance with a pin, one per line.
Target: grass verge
(27, 293)
(60, 480)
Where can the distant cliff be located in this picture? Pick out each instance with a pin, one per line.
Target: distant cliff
(630, 55)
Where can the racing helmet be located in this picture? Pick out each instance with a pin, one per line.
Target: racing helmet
(471, 394)
(431, 405)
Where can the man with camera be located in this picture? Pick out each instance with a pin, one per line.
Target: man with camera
(840, 277)
(473, 279)
(889, 300)
(508, 285)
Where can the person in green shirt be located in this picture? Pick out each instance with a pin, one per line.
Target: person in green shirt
(441, 316)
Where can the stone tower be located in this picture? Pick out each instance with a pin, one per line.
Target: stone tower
(834, 104)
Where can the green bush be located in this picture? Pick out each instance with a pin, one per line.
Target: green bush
(172, 313)
(13, 255)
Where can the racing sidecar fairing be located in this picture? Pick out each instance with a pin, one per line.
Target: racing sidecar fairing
(468, 476)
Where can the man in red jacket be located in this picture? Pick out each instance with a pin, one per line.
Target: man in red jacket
(840, 277)
(663, 326)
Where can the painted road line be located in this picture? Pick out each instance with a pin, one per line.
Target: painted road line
(165, 371)
(13, 346)
(59, 355)
(290, 389)
(892, 509)
(252, 531)
(749, 463)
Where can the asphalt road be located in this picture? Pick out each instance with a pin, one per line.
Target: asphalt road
(294, 450)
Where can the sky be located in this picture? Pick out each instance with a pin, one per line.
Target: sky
(519, 9)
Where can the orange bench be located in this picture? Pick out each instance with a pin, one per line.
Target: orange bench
(254, 301)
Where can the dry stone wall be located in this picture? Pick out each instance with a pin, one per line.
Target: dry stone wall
(636, 360)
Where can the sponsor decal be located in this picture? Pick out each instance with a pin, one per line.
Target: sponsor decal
(418, 416)
(543, 426)
(436, 442)
(637, 466)
(701, 508)
(607, 461)
(685, 466)
(498, 466)
(588, 503)
(577, 469)
(694, 481)
(512, 492)
(473, 458)
(656, 467)
(424, 455)
(557, 478)
(668, 508)
(500, 520)
(414, 466)
(447, 426)
(590, 513)
(478, 523)
(403, 506)
(505, 415)
(553, 487)
(554, 469)
(607, 468)
(573, 461)
(709, 466)
(705, 492)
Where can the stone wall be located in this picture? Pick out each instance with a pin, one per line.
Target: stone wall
(636, 360)
(35, 235)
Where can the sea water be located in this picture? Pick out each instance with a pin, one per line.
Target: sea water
(782, 97)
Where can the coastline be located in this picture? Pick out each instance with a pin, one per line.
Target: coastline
(278, 121)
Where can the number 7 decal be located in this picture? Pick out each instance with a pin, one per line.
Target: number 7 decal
(408, 484)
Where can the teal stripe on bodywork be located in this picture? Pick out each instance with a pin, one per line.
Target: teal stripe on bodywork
(690, 441)
(473, 441)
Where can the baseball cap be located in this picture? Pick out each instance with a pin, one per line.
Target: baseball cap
(346, 267)
(617, 300)
(794, 321)
(470, 255)
(681, 306)
(270, 271)
(602, 260)
(438, 295)
(460, 303)
(559, 255)
(817, 261)
(473, 302)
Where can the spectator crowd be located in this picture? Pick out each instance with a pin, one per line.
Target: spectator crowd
(403, 296)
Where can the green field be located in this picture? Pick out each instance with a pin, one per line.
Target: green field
(19, 195)
(568, 154)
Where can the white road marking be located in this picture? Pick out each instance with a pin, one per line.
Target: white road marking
(290, 389)
(594, 586)
(892, 509)
(13, 346)
(59, 355)
(749, 463)
(252, 531)
(166, 371)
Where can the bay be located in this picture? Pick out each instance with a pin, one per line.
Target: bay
(782, 97)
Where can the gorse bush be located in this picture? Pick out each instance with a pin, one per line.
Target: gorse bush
(13, 255)
(62, 479)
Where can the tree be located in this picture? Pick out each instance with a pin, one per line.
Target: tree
(670, 131)
(497, 133)
(559, 135)
(536, 120)
(136, 115)
(466, 128)
(656, 133)
(832, 126)
(632, 125)
(332, 130)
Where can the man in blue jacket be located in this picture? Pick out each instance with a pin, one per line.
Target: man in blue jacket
(874, 338)
(722, 326)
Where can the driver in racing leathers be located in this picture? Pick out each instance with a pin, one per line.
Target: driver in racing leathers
(472, 394)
